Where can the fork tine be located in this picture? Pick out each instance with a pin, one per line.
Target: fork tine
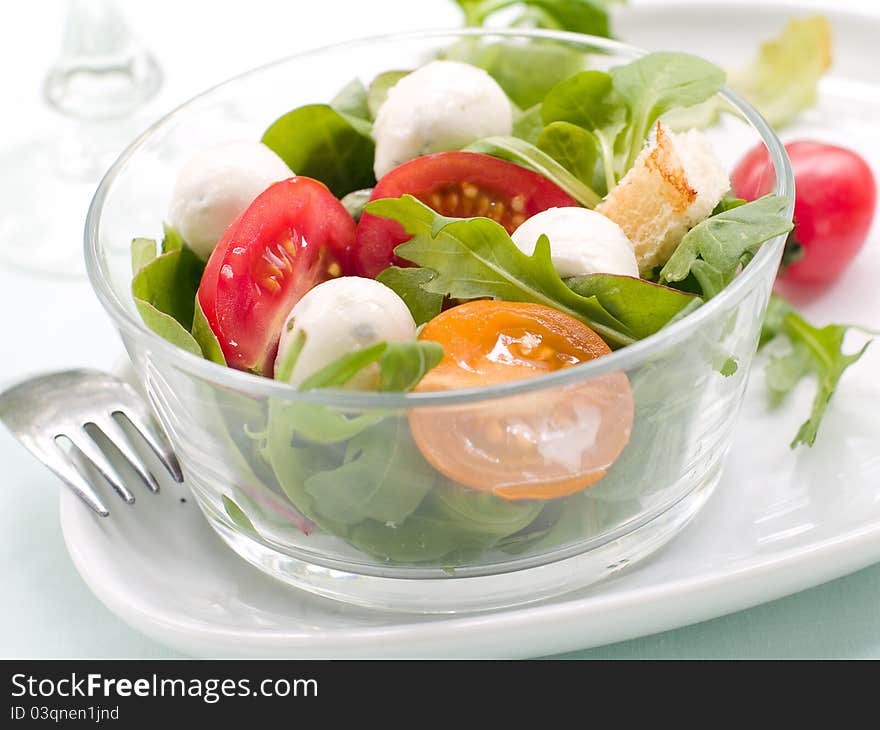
(91, 451)
(157, 443)
(117, 436)
(59, 463)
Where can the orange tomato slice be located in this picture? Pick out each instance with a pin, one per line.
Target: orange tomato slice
(539, 445)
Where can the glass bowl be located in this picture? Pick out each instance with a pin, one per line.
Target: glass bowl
(366, 519)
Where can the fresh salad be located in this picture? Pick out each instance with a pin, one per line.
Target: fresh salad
(449, 227)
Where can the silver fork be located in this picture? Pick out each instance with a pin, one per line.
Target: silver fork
(72, 405)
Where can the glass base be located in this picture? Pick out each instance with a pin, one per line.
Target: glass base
(454, 594)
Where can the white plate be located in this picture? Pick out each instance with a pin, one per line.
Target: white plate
(779, 522)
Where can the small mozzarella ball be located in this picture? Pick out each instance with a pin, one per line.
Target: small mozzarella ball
(342, 316)
(444, 105)
(216, 185)
(582, 242)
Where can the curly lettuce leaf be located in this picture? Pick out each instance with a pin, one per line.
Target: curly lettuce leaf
(783, 79)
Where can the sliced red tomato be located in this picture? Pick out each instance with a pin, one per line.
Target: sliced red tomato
(458, 185)
(540, 445)
(294, 235)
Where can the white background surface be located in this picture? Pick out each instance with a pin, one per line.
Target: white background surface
(51, 324)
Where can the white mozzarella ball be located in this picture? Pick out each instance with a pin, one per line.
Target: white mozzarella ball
(444, 105)
(216, 185)
(342, 316)
(582, 242)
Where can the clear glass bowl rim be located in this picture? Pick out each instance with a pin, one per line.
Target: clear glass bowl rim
(625, 358)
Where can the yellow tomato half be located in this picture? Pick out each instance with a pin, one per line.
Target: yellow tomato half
(539, 445)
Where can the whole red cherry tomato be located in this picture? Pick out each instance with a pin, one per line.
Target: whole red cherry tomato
(834, 204)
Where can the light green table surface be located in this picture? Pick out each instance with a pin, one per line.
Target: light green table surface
(46, 610)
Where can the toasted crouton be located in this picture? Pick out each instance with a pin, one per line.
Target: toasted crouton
(674, 184)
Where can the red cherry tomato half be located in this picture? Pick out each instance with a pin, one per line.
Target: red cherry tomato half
(458, 185)
(834, 204)
(294, 235)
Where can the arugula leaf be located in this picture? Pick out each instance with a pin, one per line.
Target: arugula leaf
(657, 83)
(164, 289)
(409, 285)
(814, 350)
(588, 100)
(475, 258)
(714, 250)
(572, 147)
(529, 156)
(383, 477)
(317, 141)
(578, 16)
(401, 365)
(643, 307)
(379, 88)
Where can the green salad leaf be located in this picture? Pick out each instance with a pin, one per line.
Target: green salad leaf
(171, 240)
(451, 521)
(528, 125)
(379, 88)
(526, 72)
(642, 306)
(401, 366)
(164, 289)
(351, 102)
(409, 285)
(238, 517)
(382, 477)
(572, 147)
(814, 350)
(714, 250)
(588, 100)
(205, 337)
(578, 16)
(355, 201)
(527, 155)
(658, 83)
(475, 258)
(317, 141)
(783, 79)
